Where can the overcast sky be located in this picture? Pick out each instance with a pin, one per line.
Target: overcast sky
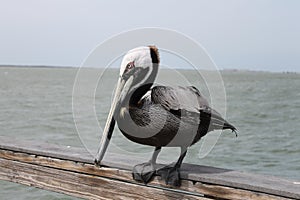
(242, 34)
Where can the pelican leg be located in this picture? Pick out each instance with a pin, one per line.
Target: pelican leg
(171, 174)
(144, 172)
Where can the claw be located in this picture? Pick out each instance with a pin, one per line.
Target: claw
(171, 175)
(143, 172)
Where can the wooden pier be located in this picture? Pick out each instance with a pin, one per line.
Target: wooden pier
(72, 171)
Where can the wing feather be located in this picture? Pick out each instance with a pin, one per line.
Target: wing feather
(179, 98)
(189, 102)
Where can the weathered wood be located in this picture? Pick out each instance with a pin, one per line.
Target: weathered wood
(212, 182)
(45, 149)
(81, 185)
(125, 175)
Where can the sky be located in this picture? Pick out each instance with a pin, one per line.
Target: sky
(237, 34)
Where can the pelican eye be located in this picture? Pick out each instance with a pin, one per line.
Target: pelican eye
(129, 66)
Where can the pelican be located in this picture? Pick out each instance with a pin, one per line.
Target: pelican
(158, 116)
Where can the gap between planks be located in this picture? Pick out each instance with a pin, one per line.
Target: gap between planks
(198, 189)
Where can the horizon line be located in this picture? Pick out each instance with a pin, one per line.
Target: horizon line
(116, 67)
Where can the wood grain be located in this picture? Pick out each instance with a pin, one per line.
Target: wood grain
(209, 181)
(124, 175)
(81, 185)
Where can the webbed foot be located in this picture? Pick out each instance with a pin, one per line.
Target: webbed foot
(143, 172)
(171, 175)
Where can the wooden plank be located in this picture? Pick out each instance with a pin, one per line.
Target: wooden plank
(195, 173)
(82, 185)
(45, 149)
(125, 175)
(242, 180)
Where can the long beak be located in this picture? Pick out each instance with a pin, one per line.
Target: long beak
(110, 123)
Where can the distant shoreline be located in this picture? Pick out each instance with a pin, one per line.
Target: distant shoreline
(114, 67)
(36, 66)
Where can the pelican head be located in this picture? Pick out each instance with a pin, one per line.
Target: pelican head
(138, 70)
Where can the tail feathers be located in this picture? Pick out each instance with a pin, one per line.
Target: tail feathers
(231, 127)
(224, 125)
(216, 121)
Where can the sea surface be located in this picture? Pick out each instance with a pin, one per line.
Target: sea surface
(36, 105)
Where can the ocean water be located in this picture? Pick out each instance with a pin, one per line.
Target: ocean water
(36, 104)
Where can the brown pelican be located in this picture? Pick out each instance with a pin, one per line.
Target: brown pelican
(159, 116)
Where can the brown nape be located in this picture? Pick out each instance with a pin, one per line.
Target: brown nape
(154, 54)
